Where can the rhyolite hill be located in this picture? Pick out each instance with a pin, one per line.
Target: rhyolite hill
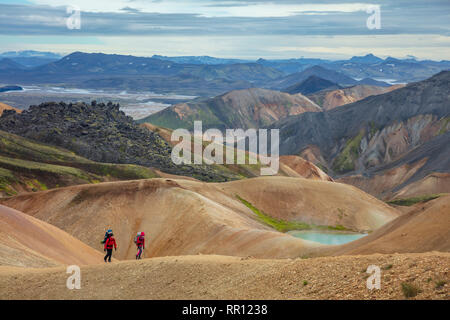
(410, 123)
(249, 108)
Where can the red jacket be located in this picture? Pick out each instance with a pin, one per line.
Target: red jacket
(140, 241)
(110, 242)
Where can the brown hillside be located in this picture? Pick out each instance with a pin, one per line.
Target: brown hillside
(383, 183)
(313, 201)
(28, 242)
(426, 228)
(302, 168)
(432, 184)
(176, 220)
(189, 217)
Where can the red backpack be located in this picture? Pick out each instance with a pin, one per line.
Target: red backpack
(139, 239)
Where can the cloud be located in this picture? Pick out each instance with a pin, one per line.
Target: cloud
(318, 19)
(269, 26)
(210, 8)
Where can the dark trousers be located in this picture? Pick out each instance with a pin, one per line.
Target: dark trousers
(138, 256)
(108, 255)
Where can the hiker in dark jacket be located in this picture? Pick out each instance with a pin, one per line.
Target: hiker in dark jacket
(109, 244)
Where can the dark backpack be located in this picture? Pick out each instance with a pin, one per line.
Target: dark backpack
(106, 236)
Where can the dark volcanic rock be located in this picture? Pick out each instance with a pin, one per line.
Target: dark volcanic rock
(101, 133)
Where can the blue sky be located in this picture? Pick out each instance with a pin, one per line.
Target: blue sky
(230, 28)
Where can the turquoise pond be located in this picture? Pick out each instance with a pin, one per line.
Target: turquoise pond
(327, 237)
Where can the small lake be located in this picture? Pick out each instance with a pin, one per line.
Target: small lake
(330, 238)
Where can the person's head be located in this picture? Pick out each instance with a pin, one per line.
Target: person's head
(142, 233)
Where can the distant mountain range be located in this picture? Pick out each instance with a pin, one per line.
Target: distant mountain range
(200, 60)
(31, 54)
(204, 75)
(31, 58)
(8, 66)
(119, 72)
(367, 59)
(368, 66)
(288, 66)
(295, 79)
(392, 69)
(310, 85)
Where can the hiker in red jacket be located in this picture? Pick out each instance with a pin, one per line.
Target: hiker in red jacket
(109, 243)
(140, 243)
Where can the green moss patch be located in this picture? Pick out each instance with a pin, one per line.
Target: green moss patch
(345, 160)
(444, 127)
(18, 147)
(6, 180)
(411, 201)
(43, 167)
(284, 225)
(119, 171)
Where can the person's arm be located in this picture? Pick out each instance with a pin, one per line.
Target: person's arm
(115, 245)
